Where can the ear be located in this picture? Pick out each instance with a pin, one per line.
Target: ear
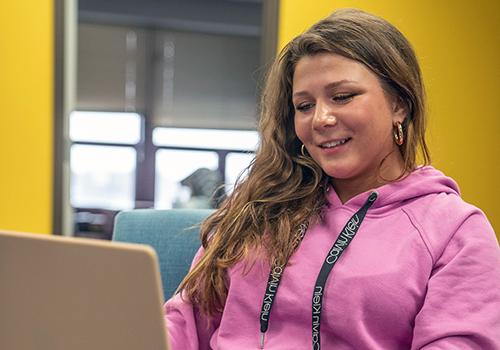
(400, 110)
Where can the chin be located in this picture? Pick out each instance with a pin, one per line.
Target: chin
(339, 173)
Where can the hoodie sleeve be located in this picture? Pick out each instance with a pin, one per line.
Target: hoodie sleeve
(187, 328)
(462, 305)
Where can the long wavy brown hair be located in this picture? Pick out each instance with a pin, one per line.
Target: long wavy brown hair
(284, 188)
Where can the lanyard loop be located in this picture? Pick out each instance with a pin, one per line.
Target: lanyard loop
(345, 237)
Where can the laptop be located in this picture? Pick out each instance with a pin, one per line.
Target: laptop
(64, 293)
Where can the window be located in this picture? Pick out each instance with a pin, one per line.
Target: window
(102, 177)
(172, 187)
(105, 127)
(113, 168)
(103, 159)
(193, 163)
(236, 166)
(206, 138)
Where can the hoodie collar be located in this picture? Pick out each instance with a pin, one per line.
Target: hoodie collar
(422, 181)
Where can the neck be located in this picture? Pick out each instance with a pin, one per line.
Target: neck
(391, 169)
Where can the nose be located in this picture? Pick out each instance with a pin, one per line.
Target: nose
(323, 116)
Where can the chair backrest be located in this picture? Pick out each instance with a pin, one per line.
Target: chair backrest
(174, 234)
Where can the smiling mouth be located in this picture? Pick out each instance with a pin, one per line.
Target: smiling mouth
(334, 143)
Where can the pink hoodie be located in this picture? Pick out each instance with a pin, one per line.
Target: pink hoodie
(423, 272)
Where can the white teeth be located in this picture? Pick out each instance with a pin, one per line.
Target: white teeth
(334, 143)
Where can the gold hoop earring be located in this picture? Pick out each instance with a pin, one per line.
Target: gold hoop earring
(398, 133)
(303, 150)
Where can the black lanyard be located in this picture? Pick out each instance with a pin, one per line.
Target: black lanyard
(345, 237)
(273, 282)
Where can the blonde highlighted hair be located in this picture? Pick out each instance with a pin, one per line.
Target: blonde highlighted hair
(284, 188)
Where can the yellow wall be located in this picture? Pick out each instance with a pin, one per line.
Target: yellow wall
(26, 115)
(458, 45)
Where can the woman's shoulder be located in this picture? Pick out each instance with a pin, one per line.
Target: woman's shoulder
(435, 199)
(445, 218)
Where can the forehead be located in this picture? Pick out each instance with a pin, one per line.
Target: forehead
(328, 68)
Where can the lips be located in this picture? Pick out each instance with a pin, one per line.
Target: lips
(335, 143)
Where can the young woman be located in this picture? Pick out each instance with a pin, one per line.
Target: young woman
(337, 239)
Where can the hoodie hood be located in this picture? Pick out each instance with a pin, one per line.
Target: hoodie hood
(423, 181)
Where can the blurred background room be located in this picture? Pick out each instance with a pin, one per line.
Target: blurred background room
(166, 102)
(122, 104)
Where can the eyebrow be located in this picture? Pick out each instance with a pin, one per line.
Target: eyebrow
(327, 87)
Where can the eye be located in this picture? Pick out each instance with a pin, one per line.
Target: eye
(343, 97)
(303, 107)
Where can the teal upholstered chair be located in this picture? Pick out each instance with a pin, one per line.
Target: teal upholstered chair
(174, 234)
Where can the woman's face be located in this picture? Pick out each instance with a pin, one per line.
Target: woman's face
(344, 117)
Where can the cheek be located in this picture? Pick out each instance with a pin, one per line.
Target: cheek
(301, 130)
(377, 129)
